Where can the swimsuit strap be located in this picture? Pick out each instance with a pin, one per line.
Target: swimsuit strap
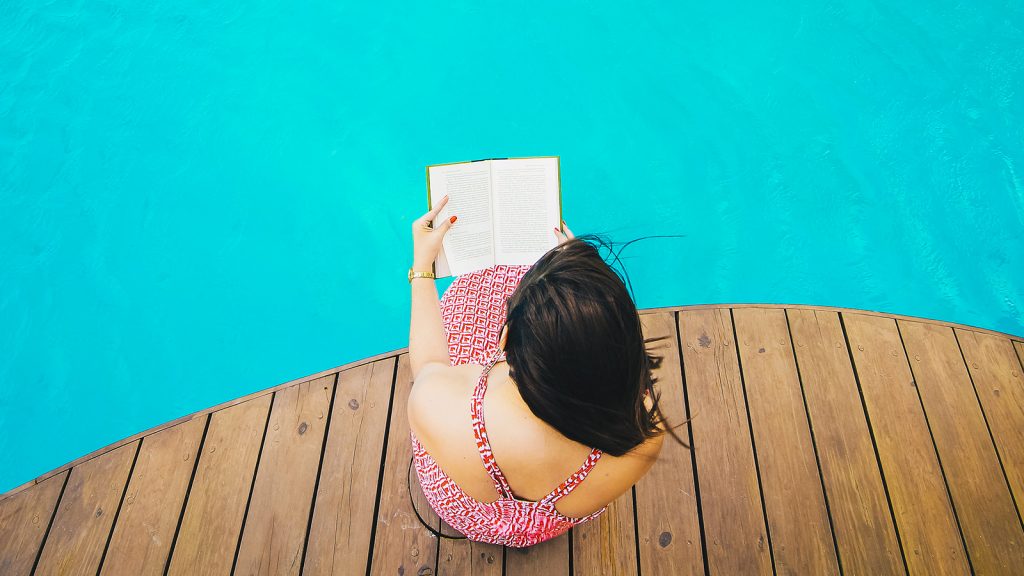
(483, 444)
(574, 480)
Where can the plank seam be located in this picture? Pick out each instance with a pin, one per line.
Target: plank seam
(828, 308)
(120, 503)
(252, 485)
(874, 445)
(437, 546)
(49, 525)
(753, 444)
(935, 447)
(991, 437)
(380, 474)
(572, 569)
(636, 530)
(814, 444)
(319, 470)
(693, 449)
(204, 412)
(188, 492)
(398, 352)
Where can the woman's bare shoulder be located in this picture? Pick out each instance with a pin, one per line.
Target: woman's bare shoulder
(439, 393)
(645, 455)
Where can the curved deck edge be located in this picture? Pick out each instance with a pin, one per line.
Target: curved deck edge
(400, 351)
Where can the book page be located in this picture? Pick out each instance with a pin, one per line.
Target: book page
(469, 245)
(526, 208)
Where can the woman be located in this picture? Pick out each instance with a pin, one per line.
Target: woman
(563, 382)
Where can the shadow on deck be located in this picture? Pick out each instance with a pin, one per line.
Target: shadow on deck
(825, 440)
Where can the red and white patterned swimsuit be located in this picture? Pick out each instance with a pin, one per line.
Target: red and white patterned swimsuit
(473, 309)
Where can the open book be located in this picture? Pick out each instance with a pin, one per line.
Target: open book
(507, 209)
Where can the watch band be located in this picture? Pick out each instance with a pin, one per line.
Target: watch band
(414, 274)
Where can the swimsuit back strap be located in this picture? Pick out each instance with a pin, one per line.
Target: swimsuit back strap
(483, 443)
(575, 479)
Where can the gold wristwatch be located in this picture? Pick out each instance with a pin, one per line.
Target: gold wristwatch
(419, 275)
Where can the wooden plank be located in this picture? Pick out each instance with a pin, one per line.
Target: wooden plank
(790, 480)
(457, 557)
(24, 518)
(208, 537)
(996, 372)
(401, 544)
(274, 532)
(734, 524)
(863, 524)
(86, 513)
(550, 558)
(669, 543)
(339, 536)
(924, 516)
(204, 412)
(152, 504)
(607, 544)
(393, 353)
(462, 556)
(984, 506)
(875, 313)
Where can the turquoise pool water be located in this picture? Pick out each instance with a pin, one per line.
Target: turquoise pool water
(203, 199)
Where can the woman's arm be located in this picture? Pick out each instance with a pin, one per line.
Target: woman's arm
(427, 342)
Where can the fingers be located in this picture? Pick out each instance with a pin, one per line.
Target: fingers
(563, 235)
(446, 225)
(426, 220)
(568, 232)
(437, 208)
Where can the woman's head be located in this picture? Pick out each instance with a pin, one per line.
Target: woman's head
(576, 351)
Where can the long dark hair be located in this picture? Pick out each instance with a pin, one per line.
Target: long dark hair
(576, 351)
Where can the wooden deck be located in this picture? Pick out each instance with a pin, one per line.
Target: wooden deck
(825, 441)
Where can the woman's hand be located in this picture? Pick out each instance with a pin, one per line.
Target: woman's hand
(565, 236)
(426, 238)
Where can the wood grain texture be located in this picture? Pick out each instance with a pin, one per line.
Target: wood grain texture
(607, 544)
(959, 435)
(550, 558)
(458, 557)
(204, 412)
(924, 515)
(996, 372)
(339, 536)
(401, 544)
(24, 518)
(864, 528)
(790, 481)
(669, 543)
(394, 353)
(209, 531)
(275, 528)
(142, 538)
(982, 500)
(838, 309)
(86, 514)
(734, 524)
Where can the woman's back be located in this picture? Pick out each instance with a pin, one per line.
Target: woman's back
(487, 464)
(533, 457)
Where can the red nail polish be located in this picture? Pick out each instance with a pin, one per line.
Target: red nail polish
(453, 219)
